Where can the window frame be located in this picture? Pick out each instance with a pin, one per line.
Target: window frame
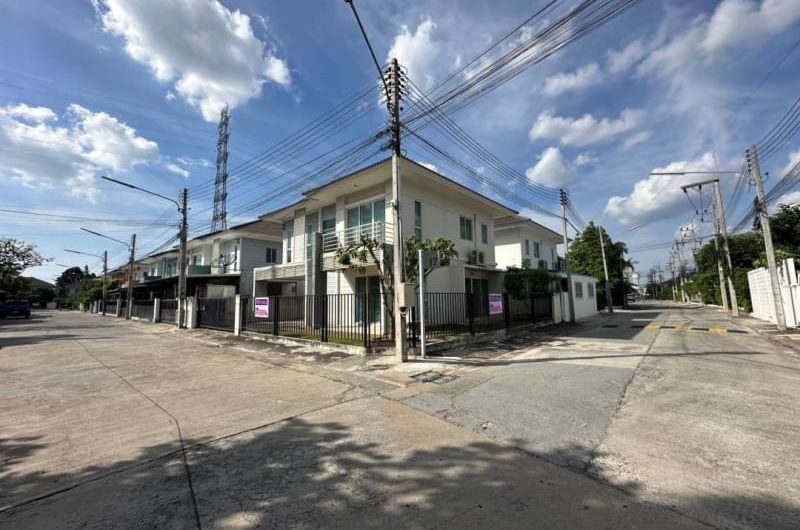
(578, 289)
(271, 251)
(463, 224)
(484, 233)
(418, 220)
(527, 247)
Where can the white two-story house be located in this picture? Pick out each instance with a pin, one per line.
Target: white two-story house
(340, 212)
(519, 240)
(220, 264)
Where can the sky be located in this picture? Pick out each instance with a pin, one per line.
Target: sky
(133, 90)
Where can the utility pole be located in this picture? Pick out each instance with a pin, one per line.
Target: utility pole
(219, 220)
(394, 84)
(182, 262)
(679, 255)
(717, 207)
(723, 229)
(564, 200)
(755, 171)
(605, 269)
(105, 272)
(130, 277)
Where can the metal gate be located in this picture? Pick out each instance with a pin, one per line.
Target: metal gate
(216, 313)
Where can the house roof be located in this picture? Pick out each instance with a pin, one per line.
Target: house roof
(445, 180)
(513, 221)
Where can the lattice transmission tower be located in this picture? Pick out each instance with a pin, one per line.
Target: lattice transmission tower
(219, 221)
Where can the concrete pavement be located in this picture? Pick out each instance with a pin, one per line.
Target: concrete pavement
(111, 424)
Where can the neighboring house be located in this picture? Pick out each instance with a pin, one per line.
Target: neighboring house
(337, 214)
(518, 240)
(220, 264)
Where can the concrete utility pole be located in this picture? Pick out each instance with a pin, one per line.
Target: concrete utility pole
(605, 269)
(394, 85)
(564, 199)
(679, 254)
(755, 171)
(105, 273)
(182, 261)
(723, 229)
(717, 207)
(130, 277)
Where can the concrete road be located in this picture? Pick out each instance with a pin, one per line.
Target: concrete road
(110, 424)
(679, 406)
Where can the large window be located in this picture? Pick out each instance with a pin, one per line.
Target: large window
(366, 220)
(466, 228)
(536, 249)
(272, 255)
(418, 220)
(484, 234)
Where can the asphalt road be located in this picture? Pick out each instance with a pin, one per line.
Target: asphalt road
(110, 424)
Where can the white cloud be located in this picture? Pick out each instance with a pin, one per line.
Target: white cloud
(208, 52)
(178, 170)
(584, 130)
(583, 77)
(428, 165)
(733, 23)
(639, 137)
(658, 196)
(552, 169)
(419, 53)
(621, 60)
(794, 159)
(790, 199)
(42, 154)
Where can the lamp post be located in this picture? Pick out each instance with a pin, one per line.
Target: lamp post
(132, 249)
(104, 257)
(182, 265)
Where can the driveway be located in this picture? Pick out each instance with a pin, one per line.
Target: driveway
(112, 424)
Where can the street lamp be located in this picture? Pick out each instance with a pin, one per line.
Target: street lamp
(182, 262)
(104, 257)
(132, 249)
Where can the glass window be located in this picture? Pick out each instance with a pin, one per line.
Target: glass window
(328, 225)
(466, 228)
(272, 255)
(484, 234)
(590, 289)
(535, 249)
(578, 290)
(289, 242)
(418, 220)
(366, 220)
(527, 248)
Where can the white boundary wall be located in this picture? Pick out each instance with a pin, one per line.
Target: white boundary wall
(761, 293)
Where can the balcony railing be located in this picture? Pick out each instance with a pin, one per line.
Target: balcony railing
(378, 230)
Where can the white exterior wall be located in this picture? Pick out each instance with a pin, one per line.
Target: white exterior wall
(761, 293)
(508, 248)
(586, 305)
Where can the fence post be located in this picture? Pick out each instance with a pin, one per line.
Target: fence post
(237, 315)
(118, 308)
(470, 313)
(365, 319)
(156, 310)
(191, 312)
(323, 334)
(506, 311)
(276, 315)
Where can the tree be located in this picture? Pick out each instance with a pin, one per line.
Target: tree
(68, 279)
(15, 257)
(785, 226)
(443, 246)
(526, 283)
(587, 258)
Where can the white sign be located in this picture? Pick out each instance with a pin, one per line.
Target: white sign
(262, 307)
(495, 303)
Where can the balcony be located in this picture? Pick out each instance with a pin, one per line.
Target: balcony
(197, 270)
(378, 230)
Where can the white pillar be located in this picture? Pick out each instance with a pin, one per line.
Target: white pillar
(237, 314)
(157, 310)
(191, 312)
(119, 307)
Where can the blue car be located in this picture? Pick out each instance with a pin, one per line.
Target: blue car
(15, 308)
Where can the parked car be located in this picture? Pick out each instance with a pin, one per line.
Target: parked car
(15, 308)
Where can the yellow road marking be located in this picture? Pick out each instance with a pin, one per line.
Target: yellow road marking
(718, 330)
(683, 327)
(652, 326)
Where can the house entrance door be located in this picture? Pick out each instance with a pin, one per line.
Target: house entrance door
(371, 286)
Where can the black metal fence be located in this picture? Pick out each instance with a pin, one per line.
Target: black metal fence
(123, 309)
(448, 315)
(143, 309)
(216, 313)
(167, 310)
(356, 319)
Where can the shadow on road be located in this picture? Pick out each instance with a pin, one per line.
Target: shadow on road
(321, 475)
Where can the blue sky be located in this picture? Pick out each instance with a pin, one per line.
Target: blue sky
(133, 90)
